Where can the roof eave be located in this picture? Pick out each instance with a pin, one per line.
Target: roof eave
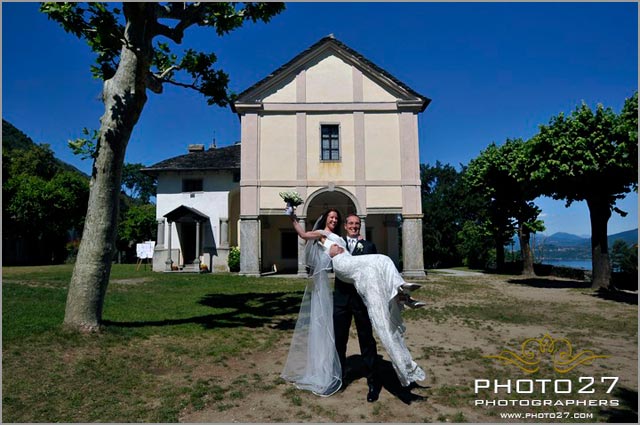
(249, 100)
(156, 171)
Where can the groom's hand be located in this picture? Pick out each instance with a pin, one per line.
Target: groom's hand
(335, 250)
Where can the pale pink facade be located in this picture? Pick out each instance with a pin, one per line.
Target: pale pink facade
(341, 132)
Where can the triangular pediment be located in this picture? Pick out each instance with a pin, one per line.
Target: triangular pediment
(184, 214)
(330, 57)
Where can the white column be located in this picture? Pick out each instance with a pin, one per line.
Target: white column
(302, 270)
(169, 261)
(224, 232)
(250, 246)
(413, 262)
(160, 234)
(197, 259)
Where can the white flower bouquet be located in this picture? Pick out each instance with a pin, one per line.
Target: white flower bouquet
(291, 198)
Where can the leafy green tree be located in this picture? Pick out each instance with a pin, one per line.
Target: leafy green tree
(475, 244)
(131, 65)
(520, 193)
(41, 202)
(446, 204)
(139, 185)
(137, 225)
(37, 160)
(590, 156)
(499, 176)
(629, 264)
(619, 251)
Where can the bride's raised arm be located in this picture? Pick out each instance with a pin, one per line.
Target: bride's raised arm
(314, 234)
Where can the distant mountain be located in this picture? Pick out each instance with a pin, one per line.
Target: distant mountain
(630, 237)
(13, 138)
(566, 239)
(566, 246)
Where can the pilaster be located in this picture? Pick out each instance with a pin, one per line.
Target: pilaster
(412, 252)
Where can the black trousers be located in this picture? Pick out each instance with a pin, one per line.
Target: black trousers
(347, 304)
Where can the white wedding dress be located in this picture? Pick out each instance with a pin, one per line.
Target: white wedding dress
(312, 357)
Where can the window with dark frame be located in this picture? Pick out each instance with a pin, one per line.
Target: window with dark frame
(289, 244)
(330, 142)
(192, 185)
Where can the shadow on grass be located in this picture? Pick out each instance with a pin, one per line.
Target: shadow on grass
(249, 310)
(386, 375)
(626, 297)
(627, 412)
(618, 296)
(540, 282)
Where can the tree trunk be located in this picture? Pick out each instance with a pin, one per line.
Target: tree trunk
(499, 255)
(524, 236)
(599, 212)
(124, 97)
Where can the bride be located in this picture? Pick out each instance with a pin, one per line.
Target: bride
(313, 362)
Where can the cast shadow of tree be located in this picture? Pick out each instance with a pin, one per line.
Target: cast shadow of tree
(626, 297)
(539, 282)
(387, 377)
(627, 412)
(618, 296)
(248, 310)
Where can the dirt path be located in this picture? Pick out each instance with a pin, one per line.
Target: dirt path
(450, 350)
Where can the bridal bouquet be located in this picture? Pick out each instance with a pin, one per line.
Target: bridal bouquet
(291, 198)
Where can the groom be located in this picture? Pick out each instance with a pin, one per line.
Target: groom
(347, 304)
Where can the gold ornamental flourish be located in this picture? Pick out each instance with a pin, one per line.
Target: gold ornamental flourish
(560, 350)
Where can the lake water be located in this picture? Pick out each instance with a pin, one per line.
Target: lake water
(575, 264)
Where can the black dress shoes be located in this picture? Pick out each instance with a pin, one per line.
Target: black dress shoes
(374, 391)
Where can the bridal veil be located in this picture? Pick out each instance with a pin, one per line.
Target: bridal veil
(313, 363)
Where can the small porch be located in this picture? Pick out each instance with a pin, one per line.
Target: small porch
(189, 224)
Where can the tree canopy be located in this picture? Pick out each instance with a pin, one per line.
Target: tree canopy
(589, 156)
(42, 203)
(500, 176)
(136, 46)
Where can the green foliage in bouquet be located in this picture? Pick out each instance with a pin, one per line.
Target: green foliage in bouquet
(292, 198)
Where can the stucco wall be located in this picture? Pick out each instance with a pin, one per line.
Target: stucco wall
(329, 78)
(277, 147)
(372, 92)
(213, 201)
(382, 147)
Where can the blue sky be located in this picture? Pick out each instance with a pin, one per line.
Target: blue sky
(493, 71)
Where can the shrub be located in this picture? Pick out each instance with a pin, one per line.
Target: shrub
(234, 259)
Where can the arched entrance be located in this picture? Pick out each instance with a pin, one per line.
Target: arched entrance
(328, 197)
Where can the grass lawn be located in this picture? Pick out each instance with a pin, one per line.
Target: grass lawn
(162, 327)
(155, 322)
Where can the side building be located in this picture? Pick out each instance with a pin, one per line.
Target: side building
(198, 205)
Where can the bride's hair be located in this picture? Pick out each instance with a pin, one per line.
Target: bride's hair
(322, 221)
(316, 259)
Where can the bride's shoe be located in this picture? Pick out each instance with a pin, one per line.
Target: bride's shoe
(413, 303)
(410, 302)
(408, 287)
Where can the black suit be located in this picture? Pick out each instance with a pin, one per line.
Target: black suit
(347, 304)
